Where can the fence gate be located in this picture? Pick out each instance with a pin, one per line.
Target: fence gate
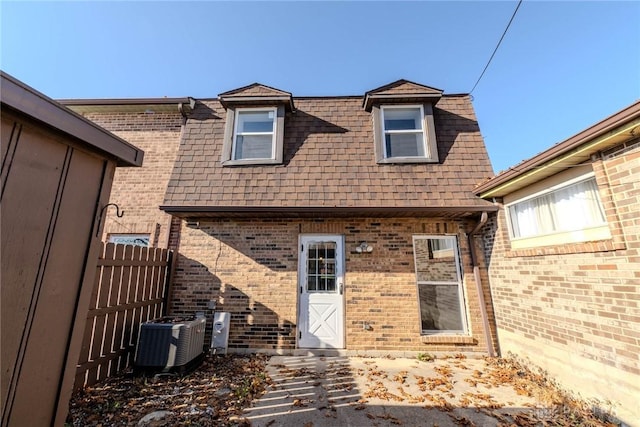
(131, 287)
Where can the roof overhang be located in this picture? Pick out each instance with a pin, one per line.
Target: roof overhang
(405, 98)
(256, 95)
(315, 212)
(258, 101)
(616, 129)
(131, 105)
(401, 92)
(23, 99)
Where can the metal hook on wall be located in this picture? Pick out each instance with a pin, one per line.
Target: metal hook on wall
(119, 214)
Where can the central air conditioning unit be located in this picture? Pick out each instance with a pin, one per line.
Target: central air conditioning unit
(170, 343)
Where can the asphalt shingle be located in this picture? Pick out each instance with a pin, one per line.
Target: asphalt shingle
(329, 161)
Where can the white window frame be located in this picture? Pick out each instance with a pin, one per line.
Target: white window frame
(422, 131)
(238, 113)
(551, 189)
(459, 284)
(114, 237)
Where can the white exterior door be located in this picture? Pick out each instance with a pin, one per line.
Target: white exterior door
(320, 290)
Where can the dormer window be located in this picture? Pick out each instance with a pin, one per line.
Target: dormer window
(404, 133)
(403, 125)
(403, 128)
(254, 136)
(254, 125)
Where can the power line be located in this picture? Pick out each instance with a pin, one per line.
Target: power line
(497, 46)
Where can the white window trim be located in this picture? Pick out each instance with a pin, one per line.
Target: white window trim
(548, 190)
(428, 127)
(425, 145)
(566, 183)
(461, 297)
(134, 236)
(239, 111)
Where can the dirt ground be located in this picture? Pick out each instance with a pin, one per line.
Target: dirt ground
(310, 391)
(212, 395)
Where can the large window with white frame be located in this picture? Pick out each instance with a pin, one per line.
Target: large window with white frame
(567, 208)
(404, 131)
(254, 135)
(439, 280)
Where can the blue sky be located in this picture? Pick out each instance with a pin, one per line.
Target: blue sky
(561, 67)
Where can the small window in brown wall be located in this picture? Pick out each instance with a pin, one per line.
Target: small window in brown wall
(404, 134)
(253, 136)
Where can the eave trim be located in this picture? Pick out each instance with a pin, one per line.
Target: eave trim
(588, 139)
(26, 100)
(322, 209)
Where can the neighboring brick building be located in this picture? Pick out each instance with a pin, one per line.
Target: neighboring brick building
(565, 260)
(300, 216)
(154, 125)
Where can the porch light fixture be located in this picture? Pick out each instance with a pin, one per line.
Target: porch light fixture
(364, 248)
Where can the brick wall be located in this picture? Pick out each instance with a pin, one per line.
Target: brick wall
(574, 309)
(249, 266)
(139, 191)
(442, 270)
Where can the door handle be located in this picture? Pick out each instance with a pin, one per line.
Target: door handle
(341, 288)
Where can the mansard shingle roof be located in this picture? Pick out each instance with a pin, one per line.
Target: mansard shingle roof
(329, 165)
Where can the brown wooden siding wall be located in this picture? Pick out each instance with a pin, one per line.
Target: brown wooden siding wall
(50, 193)
(131, 286)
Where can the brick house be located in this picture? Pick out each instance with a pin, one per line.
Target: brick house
(342, 222)
(352, 222)
(564, 256)
(155, 125)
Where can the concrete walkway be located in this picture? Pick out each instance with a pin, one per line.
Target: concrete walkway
(312, 391)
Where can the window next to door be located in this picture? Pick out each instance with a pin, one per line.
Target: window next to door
(439, 281)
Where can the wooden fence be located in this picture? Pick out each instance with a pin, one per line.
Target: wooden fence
(131, 287)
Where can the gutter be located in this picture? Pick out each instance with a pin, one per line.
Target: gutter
(589, 138)
(182, 105)
(186, 106)
(515, 175)
(476, 274)
(210, 210)
(125, 101)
